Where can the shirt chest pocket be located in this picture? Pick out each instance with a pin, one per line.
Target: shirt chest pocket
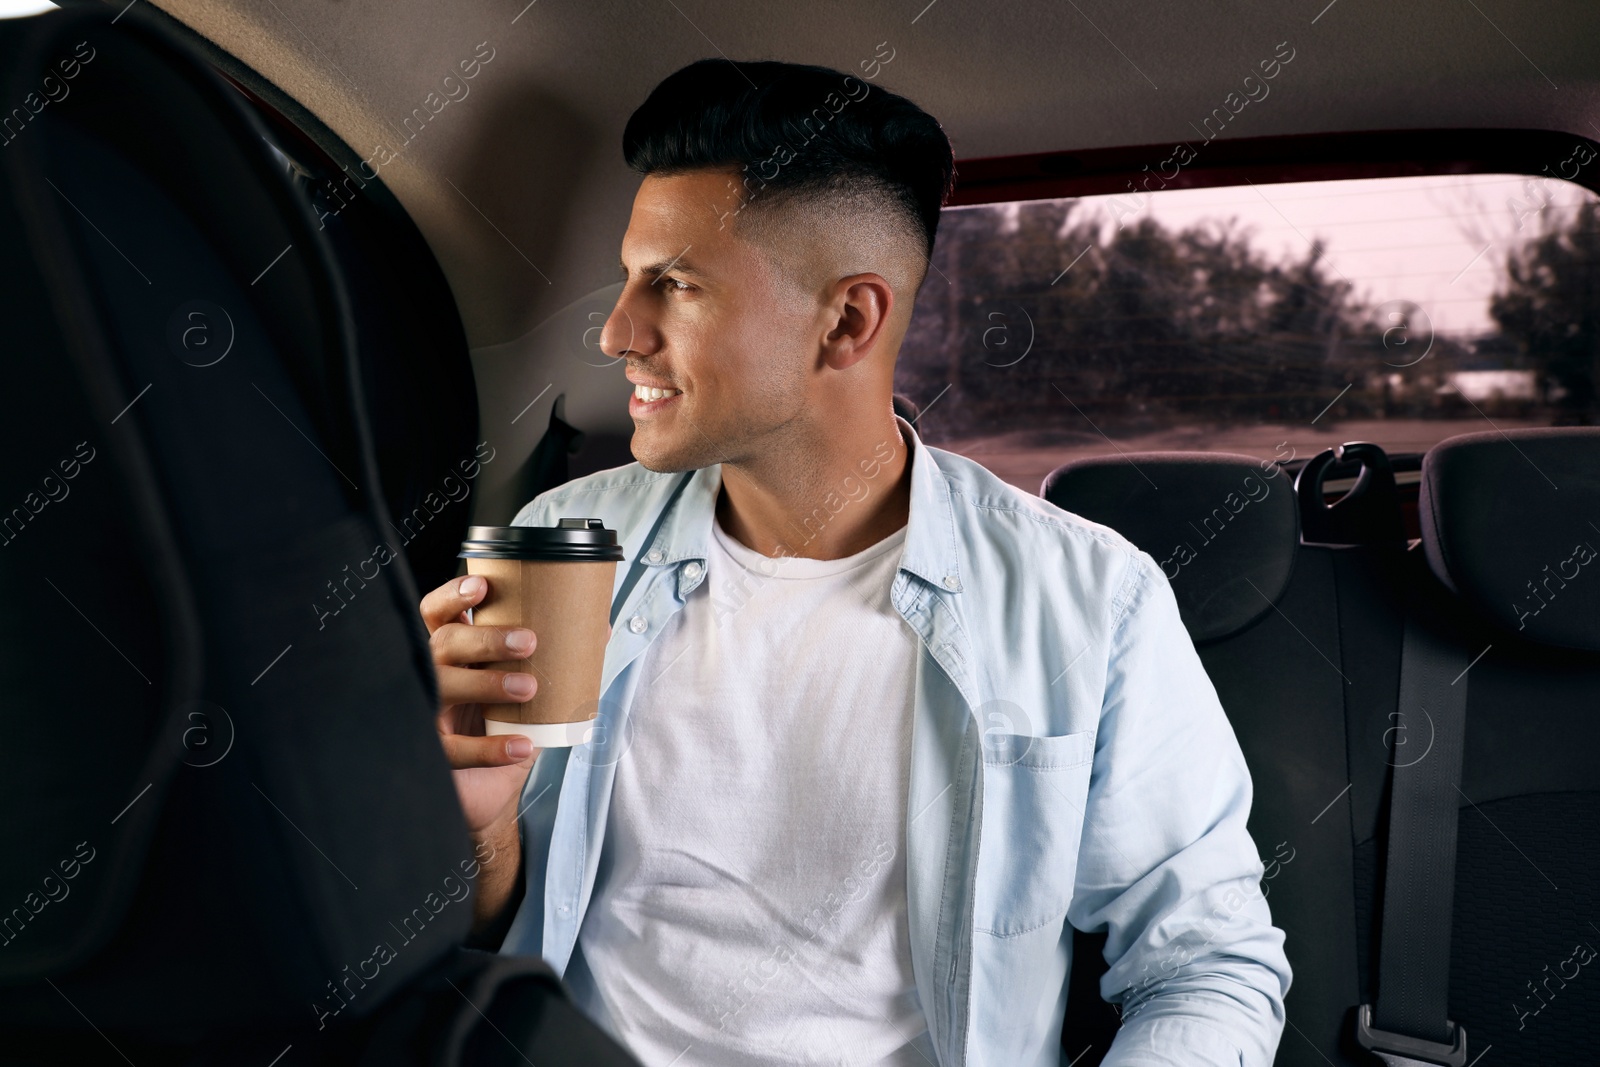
(1034, 792)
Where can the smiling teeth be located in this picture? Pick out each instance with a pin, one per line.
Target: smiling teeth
(645, 392)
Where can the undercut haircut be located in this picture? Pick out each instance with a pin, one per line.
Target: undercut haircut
(797, 132)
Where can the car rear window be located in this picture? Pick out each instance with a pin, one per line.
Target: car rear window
(1270, 319)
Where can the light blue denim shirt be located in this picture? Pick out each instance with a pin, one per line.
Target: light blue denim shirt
(1071, 767)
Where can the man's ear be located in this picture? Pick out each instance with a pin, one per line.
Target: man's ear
(860, 309)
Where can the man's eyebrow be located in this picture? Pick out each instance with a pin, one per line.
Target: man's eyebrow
(678, 265)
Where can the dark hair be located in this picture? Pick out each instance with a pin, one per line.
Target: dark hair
(796, 129)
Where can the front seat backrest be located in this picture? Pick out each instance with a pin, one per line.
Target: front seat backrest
(227, 802)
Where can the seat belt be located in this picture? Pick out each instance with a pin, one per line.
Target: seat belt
(1409, 1024)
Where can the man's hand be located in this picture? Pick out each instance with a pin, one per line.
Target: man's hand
(489, 771)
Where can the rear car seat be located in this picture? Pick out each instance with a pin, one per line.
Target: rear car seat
(1508, 569)
(1225, 530)
(1310, 680)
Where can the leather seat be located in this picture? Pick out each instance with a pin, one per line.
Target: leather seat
(1310, 683)
(231, 827)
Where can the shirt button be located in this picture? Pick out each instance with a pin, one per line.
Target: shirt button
(952, 582)
(691, 571)
(653, 556)
(637, 624)
(563, 909)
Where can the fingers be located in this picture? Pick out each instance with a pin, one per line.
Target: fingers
(446, 603)
(501, 750)
(464, 685)
(458, 644)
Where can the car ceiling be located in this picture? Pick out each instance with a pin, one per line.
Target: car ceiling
(520, 186)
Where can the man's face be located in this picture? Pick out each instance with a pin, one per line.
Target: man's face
(706, 313)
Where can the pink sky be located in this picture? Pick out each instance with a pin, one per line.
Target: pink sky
(1437, 240)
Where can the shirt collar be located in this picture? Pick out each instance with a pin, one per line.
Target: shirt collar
(930, 547)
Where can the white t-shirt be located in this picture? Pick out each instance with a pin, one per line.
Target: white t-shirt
(750, 906)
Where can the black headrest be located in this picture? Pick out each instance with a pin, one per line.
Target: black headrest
(1223, 527)
(1511, 524)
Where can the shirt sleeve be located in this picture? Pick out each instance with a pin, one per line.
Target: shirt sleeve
(1166, 867)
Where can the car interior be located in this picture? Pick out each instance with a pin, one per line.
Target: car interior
(298, 291)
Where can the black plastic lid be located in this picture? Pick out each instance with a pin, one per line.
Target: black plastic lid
(583, 540)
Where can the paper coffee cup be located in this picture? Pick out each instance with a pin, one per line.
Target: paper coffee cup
(557, 582)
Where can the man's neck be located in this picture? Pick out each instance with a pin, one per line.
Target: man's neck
(826, 502)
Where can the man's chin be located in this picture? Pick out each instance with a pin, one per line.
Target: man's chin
(652, 456)
(659, 467)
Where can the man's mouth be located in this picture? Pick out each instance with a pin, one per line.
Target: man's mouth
(647, 400)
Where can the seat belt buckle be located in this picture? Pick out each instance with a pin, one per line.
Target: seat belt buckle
(1403, 1050)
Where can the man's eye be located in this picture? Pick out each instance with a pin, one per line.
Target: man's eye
(675, 284)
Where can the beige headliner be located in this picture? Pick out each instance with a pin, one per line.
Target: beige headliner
(520, 186)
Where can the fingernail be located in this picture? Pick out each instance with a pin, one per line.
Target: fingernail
(519, 685)
(471, 585)
(519, 640)
(519, 748)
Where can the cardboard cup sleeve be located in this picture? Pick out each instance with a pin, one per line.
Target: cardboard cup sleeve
(566, 602)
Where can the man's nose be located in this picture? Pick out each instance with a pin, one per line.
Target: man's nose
(621, 334)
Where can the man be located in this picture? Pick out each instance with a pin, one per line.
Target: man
(878, 730)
